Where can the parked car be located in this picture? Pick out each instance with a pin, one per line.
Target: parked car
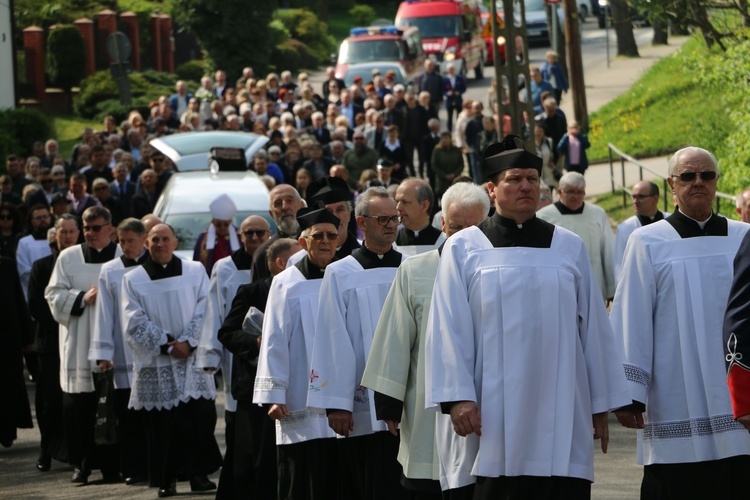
(190, 151)
(364, 70)
(185, 200)
(380, 44)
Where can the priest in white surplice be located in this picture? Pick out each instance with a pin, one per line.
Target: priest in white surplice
(668, 313)
(226, 277)
(33, 246)
(72, 294)
(351, 298)
(395, 368)
(109, 350)
(590, 223)
(164, 302)
(518, 330)
(646, 205)
(305, 443)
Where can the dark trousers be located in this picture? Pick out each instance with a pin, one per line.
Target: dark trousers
(422, 489)
(308, 470)
(49, 408)
(452, 106)
(409, 148)
(226, 479)
(79, 415)
(131, 436)
(532, 488)
(181, 441)
(370, 461)
(712, 479)
(255, 474)
(463, 493)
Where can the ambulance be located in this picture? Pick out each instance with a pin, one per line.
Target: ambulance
(451, 32)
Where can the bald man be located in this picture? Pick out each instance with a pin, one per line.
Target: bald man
(743, 205)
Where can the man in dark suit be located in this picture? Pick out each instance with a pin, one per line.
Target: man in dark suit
(331, 77)
(429, 141)
(122, 189)
(79, 199)
(43, 196)
(454, 87)
(144, 201)
(319, 129)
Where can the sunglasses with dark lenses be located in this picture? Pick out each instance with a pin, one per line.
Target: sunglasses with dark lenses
(641, 196)
(706, 175)
(258, 233)
(95, 228)
(319, 236)
(383, 220)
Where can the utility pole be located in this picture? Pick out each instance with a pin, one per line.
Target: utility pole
(575, 65)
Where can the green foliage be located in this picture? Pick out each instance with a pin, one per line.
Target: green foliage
(305, 26)
(294, 55)
(20, 128)
(362, 15)
(662, 112)
(232, 33)
(277, 33)
(191, 70)
(66, 57)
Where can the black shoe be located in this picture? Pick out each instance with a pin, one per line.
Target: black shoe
(201, 483)
(80, 476)
(43, 463)
(167, 491)
(111, 478)
(135, 480)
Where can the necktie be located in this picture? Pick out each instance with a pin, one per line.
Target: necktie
(122, 191)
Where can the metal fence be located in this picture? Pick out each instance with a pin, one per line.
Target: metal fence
(622, 184)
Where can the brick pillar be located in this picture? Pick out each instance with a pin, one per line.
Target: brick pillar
(156, 42)
(33, 45)
(167, 44)
(86, 28)
(106, 24)
(129, 22)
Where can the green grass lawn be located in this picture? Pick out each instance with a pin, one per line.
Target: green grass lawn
(68, 131)
(665, 110)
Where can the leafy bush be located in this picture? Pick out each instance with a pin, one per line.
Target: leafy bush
(288, 58)
(277, 33)
(191, 70)
(20, 128)
(305, 26)
(66, 57)
(305, 59)
(362, 15)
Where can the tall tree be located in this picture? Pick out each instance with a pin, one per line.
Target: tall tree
(232, 33)
(626, 45)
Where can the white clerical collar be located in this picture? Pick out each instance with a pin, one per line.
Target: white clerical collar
(701, 224)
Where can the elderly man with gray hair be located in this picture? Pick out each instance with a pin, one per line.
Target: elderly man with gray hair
(590, 223)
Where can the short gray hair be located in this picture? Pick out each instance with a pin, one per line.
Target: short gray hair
(674, 161)
(132, 224)
(573, 179)
(277, 248)
(423, 190)
(364, 199)
(466, 195)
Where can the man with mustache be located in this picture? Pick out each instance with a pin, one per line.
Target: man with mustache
(284, 202)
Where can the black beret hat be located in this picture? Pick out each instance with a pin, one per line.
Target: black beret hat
(509, 153)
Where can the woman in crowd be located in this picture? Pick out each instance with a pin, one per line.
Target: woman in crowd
(544, 149)
(302, 179)
(11, 227)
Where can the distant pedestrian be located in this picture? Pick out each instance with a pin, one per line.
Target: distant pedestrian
(573, 146)
(553, 73)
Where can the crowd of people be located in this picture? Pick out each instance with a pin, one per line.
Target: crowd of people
(407, 332)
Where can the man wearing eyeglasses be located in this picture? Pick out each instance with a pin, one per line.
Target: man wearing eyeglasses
(307, 453)
(228, 274)
(351, 299)
(519, 350)
(71, 294)
(668, 313)
(646, 205)
(588, 221)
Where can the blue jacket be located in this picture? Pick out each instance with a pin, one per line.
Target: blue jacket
(460, 87)
(550, 70)
(173, 102)
(562, 148)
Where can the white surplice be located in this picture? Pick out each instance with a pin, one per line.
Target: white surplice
(523, 332)
(624, 230)
(152, 309)
(225, 280)
(593, 228)
(668, 312)
(108, 336)
(351, 299)
(29, 251)
(396, 368)
(283, 373)
(70, 277)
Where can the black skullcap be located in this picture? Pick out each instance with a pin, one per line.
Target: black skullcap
(509, 153)
(309, 216)
(328, 190)
(58, 197)
(385, 163)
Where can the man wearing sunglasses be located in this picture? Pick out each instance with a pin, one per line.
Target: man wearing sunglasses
(351, 299)
(645, 196)
(72, 295)
(227, 276)
(305, 444)
(668, 313)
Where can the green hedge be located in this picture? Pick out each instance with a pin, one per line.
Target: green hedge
(191, 70)
(20, 128)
